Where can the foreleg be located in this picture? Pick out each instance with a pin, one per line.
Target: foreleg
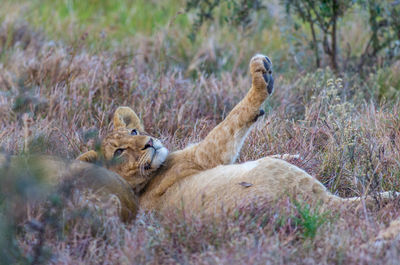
(222, 145)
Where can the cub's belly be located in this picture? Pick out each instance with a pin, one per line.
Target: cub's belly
(226, 187)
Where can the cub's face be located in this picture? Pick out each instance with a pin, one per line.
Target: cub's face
(128, 151)
(132, 155)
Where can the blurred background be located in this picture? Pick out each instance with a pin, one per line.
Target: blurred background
(220, 35)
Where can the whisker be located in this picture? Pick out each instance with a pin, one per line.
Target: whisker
(141, 168)
(142, 164)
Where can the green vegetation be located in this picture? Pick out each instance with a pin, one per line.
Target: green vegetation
(309, 219)
(66, 65)
(103, 21)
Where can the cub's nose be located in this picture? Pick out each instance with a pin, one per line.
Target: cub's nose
(148, 144)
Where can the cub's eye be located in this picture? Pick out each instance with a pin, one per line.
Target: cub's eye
(134, 132)
(118, 152)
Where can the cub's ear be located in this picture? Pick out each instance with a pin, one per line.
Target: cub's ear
(90, 156)
(125, 117)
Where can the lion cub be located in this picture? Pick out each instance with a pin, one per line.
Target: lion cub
(203, 178)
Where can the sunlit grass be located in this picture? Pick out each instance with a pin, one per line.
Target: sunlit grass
(103, 21)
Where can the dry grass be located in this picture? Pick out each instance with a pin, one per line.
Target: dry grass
(344, 138)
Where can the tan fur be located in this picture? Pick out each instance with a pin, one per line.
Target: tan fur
(125, 117)
(386, 235)
(202, 177)
(390, 232)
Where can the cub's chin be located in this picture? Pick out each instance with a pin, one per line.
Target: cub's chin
(160, 155)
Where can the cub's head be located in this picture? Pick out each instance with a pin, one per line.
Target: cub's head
(129, 151)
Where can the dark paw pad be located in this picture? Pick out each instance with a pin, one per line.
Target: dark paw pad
(261, 113)
(268, 75)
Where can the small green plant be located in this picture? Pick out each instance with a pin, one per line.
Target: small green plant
(309, 219)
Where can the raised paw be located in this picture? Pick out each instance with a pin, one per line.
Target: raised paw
(261, 72)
